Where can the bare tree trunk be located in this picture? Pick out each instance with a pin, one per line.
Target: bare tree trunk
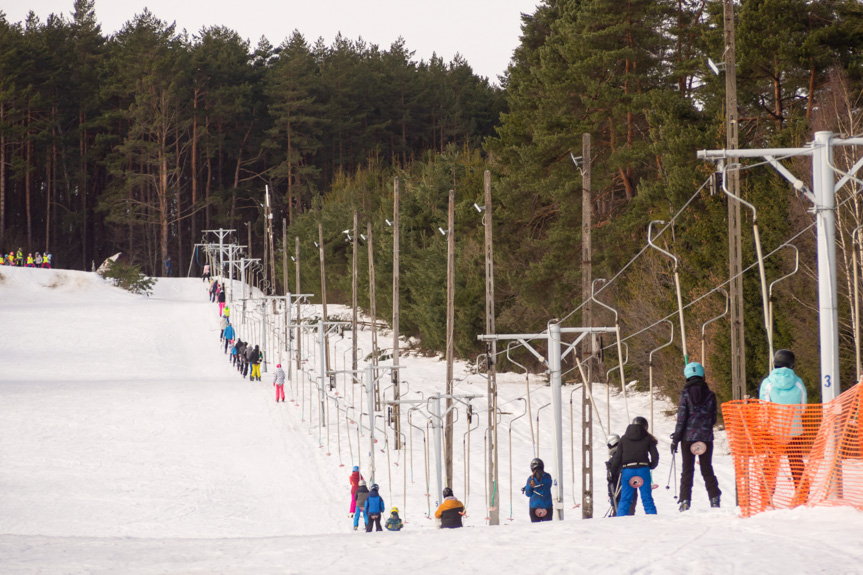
(28, 152)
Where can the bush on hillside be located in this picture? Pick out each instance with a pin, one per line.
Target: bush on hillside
(129, 277)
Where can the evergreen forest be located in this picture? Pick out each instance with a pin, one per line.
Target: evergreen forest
(138, 141)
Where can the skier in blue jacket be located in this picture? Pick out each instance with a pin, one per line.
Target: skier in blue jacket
(374, 509)
(538, 488)
(228, 334)
(784, 387)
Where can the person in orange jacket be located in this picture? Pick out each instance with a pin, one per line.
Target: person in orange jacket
(450, 511)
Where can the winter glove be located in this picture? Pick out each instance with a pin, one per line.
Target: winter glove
(673, 447)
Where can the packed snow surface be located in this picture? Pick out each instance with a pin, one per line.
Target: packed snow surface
(128, 444)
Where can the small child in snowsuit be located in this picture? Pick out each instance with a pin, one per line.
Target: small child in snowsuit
(634, 459)
(355, 484)
(234, 352)
(374, 508)
(280, 383)
(394, 523)
(362, 495)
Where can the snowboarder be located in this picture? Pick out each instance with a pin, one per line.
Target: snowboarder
(394, 523)
(374, 508)
(450, 511)
(696, 416)
(634, 459)
(355, 483)
(206, 275)
(538, 488)
(613, 479)
(362, 495)
(279, 382)
(228, 334)
(783, 386)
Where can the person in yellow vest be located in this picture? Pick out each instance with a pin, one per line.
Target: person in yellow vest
(30, 263)
(19, 258)
(10, 259)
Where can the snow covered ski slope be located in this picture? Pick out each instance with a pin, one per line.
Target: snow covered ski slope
(129, 445)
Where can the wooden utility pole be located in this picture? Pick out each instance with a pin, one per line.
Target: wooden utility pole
(395, 372)
(586, 321)
(491, 362)
(450, 344)
(373, 309)
(271, 244)
(323, 301)
(299, 330)
(285, 282)
(735, 257)
(354, 292)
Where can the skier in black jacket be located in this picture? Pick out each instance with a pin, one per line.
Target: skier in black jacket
(634, 459)
(696, 417)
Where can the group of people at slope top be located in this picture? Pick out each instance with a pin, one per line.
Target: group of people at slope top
(368, 503)
(634, 455)
(31, 261)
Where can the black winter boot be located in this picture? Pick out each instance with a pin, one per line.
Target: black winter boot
(714, 501)
(684, 505)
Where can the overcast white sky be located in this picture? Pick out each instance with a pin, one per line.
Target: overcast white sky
(485, 32)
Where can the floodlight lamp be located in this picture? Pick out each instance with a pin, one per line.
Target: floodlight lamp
(442, 231)
(714, 67)
(317, 245)
(293, 259)
(346, 232)
(576, 159)
(389, 223)
(363, 236)
(478, 208)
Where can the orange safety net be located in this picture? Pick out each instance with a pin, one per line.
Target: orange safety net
(790, 455)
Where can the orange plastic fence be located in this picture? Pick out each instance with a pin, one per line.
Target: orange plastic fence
(790, 455)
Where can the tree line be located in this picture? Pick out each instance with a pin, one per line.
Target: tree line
(139, 140)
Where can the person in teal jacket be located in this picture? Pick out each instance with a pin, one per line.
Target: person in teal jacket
(538, 488)
(784, 387)
(229, 335)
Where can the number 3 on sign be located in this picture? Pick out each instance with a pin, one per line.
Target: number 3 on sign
(827, 381)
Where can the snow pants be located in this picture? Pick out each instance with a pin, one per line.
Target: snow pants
(353, 502)
(374, 521)
(280, 392)
(705, 460)
(549, 515)
(221, 307)
(627, 490)
(357, 515)
(256, 371)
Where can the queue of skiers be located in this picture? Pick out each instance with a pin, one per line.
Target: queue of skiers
(30, 261)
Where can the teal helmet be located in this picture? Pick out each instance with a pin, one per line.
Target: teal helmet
(693, 369)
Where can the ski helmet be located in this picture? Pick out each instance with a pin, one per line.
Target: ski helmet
(638, 420)
(280, 365)
(693, 369)
(362, 483)
(356, 468)
(394, 510)
(784, 358)
(613, 440)
(374, 487)
(447, 491)
(537, 464)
